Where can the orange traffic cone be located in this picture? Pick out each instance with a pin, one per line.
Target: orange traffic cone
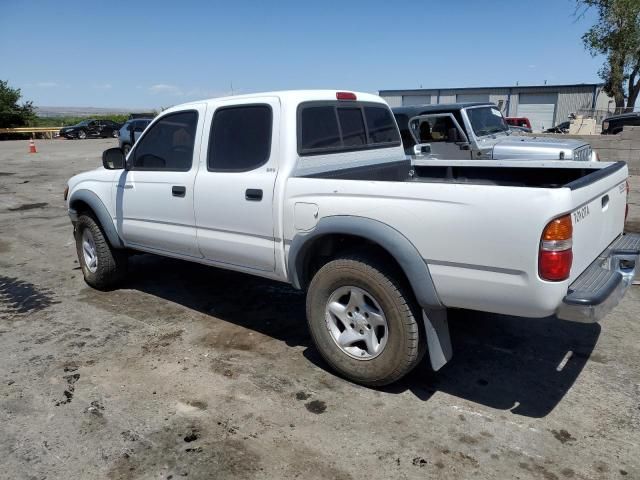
(32, 146)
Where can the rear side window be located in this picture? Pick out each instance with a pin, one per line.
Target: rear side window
(168, 145)
(332, 127)
(240, 138)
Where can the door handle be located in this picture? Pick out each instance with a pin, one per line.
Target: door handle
(253, 194)
(178, 191)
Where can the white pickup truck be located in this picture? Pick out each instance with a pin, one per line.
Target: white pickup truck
(314, 188)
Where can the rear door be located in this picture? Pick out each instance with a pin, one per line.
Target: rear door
(598, 218)
(234, 204)
(154, 198)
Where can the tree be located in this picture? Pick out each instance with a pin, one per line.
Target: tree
(617, 36)
(11, 113)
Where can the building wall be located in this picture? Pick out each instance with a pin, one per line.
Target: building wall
(571, 99)
(500, 95)
(393, 100)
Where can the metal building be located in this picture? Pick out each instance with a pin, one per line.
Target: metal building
(544, 105)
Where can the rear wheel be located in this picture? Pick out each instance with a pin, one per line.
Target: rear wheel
(82, 135)
(363, 320)
(114, 133)
(125, 149)
(102, 265)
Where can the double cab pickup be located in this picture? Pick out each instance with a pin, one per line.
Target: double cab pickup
(313, 188)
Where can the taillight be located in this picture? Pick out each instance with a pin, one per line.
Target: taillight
(346, 96)
(556, 256)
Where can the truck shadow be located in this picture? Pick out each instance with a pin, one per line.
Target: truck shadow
(508, 363)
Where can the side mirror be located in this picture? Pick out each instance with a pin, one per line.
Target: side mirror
(113, 159)
(422, 149)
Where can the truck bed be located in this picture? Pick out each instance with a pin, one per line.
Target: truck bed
(537, 174)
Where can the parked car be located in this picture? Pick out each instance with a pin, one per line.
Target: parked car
(615, 124)
(519, 122)
(560, 128)
(130, 131)
(91, 128)
(476, 131)
(313, 188)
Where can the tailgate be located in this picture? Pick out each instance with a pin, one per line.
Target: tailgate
(598, 215)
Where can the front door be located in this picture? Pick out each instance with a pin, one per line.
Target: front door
(154, 197)
(234, 189)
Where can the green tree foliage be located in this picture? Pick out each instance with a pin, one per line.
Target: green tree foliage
(616, 36)
(13, 114)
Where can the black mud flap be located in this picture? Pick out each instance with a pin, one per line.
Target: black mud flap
(438, 339)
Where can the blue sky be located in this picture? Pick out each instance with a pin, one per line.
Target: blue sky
(159, 53)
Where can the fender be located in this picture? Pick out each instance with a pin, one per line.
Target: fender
(400, 248)
(101, 212)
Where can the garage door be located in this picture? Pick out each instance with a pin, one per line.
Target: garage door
(472, 97)
(539, 108)
(416, 100)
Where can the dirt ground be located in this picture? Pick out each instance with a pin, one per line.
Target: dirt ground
(195, 372)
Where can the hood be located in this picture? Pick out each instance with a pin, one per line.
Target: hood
(548, 148)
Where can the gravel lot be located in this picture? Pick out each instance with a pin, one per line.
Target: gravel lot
(197, 372)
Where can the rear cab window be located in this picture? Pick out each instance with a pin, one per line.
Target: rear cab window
(339, 126)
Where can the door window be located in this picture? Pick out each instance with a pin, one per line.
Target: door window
(168, 145)
(434, 129)
(240, 138)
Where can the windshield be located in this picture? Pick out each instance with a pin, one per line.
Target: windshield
(83, 123)
(486, 121)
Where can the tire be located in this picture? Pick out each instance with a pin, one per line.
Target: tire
(383, 290)
(126, 148)
(110, 264)
(114, 133)
(82, 135)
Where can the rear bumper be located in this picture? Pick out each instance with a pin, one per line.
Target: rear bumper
(603, 284)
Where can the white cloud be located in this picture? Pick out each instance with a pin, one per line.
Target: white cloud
(532, 66)
(166, 89)
(46, 84)
(102, 86)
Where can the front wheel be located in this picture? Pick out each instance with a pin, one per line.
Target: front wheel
(102, 265)
(364, 321)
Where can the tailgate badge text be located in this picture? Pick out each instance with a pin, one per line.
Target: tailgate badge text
(580, 214)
